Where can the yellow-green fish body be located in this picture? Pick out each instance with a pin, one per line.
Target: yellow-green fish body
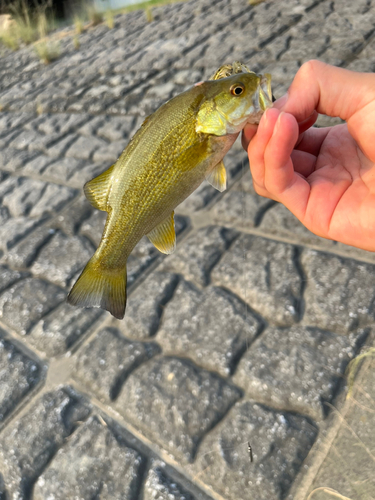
(177, 147)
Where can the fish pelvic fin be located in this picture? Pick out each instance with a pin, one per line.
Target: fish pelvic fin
(98, 287)
(218, 177)
(163, 236)
(96, 190)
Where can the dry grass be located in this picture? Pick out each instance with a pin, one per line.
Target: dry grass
(27, 25)
(353, 366)
(109, 19)
(149, 15)
(47, 51)
(78, 24)
(331, 492)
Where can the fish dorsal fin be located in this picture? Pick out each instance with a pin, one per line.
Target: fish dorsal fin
(96, 190)
(209, 120)
(218, 177)
(163, 236)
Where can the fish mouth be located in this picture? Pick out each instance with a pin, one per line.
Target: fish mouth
(265, 92)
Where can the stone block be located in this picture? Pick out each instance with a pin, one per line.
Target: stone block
(265, 274)
(61, 258)
(159, 486)
(144, 308)
(213, 327)
(93, 463)
(15, 229)
(19, 375)
(339, 292)
(84, 147)
(22, 305)
(105, 363)
(280, 442)
(241, 206)
(8, 277)
(32, 440)
(297, 369)
(56, 333)
(174, 403)
(200, 253)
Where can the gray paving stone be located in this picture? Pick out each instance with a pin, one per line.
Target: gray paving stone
(212, 327)
(145, 306)
(104, 364)
(3, 494)
(32, 440)
(18, 375)
(278, 221)
(8, 277)
(297, 369)
(53, 199)
(63, 169)
(175, 403)
(241, 206)
(90, 128)
(14, 229)
(72, 218)
(61, 123)
(200, 253)
(110, 152)
(93, 463)
(57, 332)
(61, 258)
(22, 305)
(159, 486)
(280, 442)
(339, 292)
(23, 253)
(93, 227)
(12, 159)
(24, 197)
(9, 121)
(38, 165)
(116, 128)
(84, 147)
(85, 173)
(348, 466)
(59, 149)
(198, 200)
(264, 274)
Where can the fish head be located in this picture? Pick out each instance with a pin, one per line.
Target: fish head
(230, 103)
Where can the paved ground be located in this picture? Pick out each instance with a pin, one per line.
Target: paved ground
(242, 335)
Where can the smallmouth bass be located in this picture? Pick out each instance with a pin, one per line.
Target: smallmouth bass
(176, 148)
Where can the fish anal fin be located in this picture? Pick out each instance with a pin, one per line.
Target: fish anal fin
(97, 287)
(96, 190)
(218, 177)
(163, 236)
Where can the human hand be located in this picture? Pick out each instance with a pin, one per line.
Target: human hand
(324, 176)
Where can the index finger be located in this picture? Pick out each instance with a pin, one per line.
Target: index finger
(332, 91)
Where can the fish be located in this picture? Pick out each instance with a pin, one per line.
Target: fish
(176, 148)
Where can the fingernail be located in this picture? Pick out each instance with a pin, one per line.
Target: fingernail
(278, 121)
(265, 116)
(280, 103)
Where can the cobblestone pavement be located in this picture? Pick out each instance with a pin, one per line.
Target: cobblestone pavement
(242, 335)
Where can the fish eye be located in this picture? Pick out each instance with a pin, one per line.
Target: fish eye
(237, 89)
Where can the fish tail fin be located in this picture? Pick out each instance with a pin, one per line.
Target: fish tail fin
(98, 287)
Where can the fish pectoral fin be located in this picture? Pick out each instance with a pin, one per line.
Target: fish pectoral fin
(218, 177)
(96, 190)
(163, 236)
(209, 120)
